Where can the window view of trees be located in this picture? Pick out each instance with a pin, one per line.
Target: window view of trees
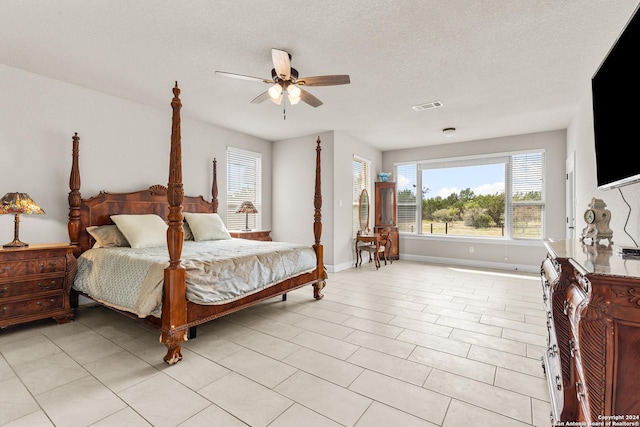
(471, 199)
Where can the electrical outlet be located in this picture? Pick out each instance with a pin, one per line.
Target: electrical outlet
(471, 249)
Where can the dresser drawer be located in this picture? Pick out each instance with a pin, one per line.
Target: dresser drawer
(30, 287)
(31, 306)
(32, 266)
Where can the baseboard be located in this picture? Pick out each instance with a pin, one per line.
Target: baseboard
(473, 263)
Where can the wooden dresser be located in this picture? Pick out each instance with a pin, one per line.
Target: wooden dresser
(35, 282)
(264, 235)
(592, 296)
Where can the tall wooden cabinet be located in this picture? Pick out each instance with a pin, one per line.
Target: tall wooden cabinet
(592, 297)
(385, 214)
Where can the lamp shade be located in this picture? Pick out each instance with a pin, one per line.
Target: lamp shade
(18, 203)
(247, 207)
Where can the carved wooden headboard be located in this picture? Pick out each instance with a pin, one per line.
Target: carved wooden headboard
(97, 210)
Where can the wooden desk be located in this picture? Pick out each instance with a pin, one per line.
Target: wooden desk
(368, 238)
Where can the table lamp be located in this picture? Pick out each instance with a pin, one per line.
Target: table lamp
(247, 208)
(18, 203)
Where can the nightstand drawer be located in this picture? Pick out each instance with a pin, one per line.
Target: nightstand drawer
(35, 283)
(32, 266)
(31, 306)
(29, 287)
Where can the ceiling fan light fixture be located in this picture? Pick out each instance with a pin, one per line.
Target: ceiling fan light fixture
(294, 93)
(277, 100)
(275, 92)
(292, 100)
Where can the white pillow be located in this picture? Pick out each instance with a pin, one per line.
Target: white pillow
(142, 231)
(207, 226)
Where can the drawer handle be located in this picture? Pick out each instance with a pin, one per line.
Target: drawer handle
(39, 302)
(567, 307)
(579, 391)
(3, 290)
(45, 286)
(558, 382)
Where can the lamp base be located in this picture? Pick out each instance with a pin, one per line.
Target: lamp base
(15, 244)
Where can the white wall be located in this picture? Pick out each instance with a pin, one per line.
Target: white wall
(344, 150)
(124, 146)
(293, 191)
(580, 139)
(293, 183)
(493, 253)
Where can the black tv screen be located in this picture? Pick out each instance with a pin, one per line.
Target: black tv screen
(616, 110)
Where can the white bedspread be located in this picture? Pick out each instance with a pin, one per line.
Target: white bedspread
(217, 272)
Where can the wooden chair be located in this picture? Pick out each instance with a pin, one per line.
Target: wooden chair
(384, 248)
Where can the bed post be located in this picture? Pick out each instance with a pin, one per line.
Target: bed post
(214, 187)
(317, 228)
(174, 301)
(74, 198)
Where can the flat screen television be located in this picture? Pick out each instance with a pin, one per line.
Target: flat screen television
(616, 110)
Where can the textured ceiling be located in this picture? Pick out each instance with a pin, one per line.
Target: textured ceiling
(500, 67)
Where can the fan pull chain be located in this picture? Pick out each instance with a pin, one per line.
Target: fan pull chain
(284, 112)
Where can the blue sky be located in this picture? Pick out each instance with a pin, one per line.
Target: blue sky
(484, 179)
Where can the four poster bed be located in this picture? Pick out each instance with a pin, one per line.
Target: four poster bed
(175, 293)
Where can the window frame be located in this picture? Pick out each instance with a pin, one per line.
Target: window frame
(249, 160)
(491, 158)
(355, 225)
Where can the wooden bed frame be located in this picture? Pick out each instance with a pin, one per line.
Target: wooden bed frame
(178, 314)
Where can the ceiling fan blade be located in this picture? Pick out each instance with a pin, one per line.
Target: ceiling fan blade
(341, 79)
(260, 98)
(281, 63)
(309, 99)
(243, 77)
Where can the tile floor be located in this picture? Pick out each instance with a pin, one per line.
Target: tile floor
(411, 344)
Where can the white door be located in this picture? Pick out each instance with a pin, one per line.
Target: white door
(570, 203)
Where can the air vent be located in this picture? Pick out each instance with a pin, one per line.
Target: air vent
(427, 106)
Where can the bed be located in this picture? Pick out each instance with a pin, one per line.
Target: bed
(167, 291)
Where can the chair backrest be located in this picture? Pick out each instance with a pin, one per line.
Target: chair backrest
(385, 235)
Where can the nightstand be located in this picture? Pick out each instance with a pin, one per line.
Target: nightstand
(264, 235)
(35, 282)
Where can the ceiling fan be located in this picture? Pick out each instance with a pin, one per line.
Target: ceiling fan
(285, 80)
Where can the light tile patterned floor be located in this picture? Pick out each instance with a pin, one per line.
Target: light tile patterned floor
(411, 344)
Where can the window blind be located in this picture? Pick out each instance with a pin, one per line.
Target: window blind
(527, 195)
(244, 182)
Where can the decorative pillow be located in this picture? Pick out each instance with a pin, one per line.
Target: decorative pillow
(207, 226)
(188, 234)
(142, 231)
(107, 236)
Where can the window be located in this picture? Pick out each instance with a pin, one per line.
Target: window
(499, 195)
(360, 182)
(244, 182)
